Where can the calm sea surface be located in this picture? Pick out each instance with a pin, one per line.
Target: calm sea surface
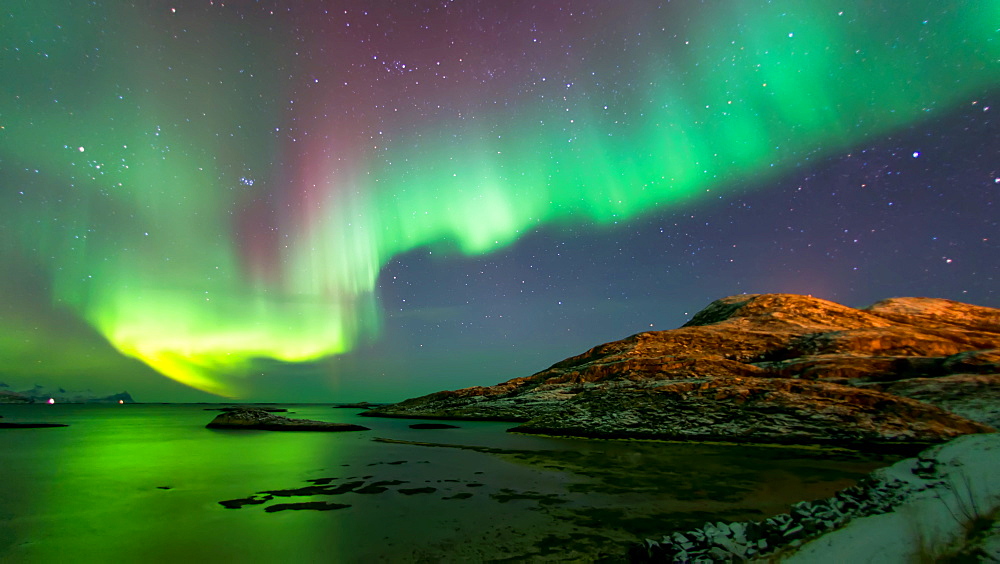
(142, 483)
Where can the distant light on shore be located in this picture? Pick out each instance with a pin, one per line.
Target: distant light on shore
(52, 401)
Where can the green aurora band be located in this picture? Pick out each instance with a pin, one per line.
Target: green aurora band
(119, 185)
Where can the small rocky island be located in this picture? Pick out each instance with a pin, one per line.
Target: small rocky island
(249, 418)
(766, 368)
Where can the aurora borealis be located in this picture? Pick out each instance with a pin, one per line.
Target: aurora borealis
(259, 196)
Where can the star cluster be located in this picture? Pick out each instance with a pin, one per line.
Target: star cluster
(283, 200)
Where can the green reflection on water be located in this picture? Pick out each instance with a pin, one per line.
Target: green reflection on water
(137, 484)
(143, 483)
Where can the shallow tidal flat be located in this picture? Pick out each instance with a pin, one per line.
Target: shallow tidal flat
(150, 483)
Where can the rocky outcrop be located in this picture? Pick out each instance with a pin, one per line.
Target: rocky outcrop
(762, 368)
(965, 383)
(258, 419)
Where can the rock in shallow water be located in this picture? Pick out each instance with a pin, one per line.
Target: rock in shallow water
(258, 419)
(433, 426)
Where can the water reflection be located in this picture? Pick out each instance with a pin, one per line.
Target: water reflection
(135, 482)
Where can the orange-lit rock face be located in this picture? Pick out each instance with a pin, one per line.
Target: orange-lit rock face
(765, 368)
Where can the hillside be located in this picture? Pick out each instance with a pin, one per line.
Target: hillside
(768, 368)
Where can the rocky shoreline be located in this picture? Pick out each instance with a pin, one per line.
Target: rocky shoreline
(947, 496)
(901, 375)
(740, 541)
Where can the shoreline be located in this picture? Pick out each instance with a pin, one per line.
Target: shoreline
(949, 508)
(944, 502)
(901, 447)
(918, 469)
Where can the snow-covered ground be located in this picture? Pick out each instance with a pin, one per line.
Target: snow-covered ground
(949, 487)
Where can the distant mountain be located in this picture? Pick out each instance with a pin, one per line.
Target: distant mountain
(42, 394)
(7, 396)
(767, 368)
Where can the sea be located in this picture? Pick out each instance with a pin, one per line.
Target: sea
(149, 483)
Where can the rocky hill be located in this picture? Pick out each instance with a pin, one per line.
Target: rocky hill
(769, 368)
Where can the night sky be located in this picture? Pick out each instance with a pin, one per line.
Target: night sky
(331, 201)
